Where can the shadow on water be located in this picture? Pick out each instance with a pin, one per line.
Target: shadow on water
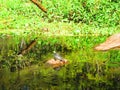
(87, 69)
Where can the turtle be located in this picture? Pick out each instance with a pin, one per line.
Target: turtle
(57, 56)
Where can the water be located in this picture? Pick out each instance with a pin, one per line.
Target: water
(33, 78)
(87, 69)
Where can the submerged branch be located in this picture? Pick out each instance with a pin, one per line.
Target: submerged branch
(32, 43)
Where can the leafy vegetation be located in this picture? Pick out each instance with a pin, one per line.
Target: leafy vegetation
(102, 13)
(71, 27)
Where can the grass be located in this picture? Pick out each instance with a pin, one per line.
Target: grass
(23, 19)
(19, 16)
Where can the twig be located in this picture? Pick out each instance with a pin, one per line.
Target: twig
(27, 48)
(39, 5)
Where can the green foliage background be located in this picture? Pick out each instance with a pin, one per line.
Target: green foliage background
(101, 12)
(96, 12)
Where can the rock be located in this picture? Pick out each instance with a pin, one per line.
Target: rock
(56, 63)
(113, 42)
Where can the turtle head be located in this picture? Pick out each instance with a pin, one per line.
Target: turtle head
(54, 51)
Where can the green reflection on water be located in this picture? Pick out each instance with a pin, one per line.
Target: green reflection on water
(87, 69)
(80, 74)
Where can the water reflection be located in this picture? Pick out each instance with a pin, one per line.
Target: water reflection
(35, 79)
(87, 70)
